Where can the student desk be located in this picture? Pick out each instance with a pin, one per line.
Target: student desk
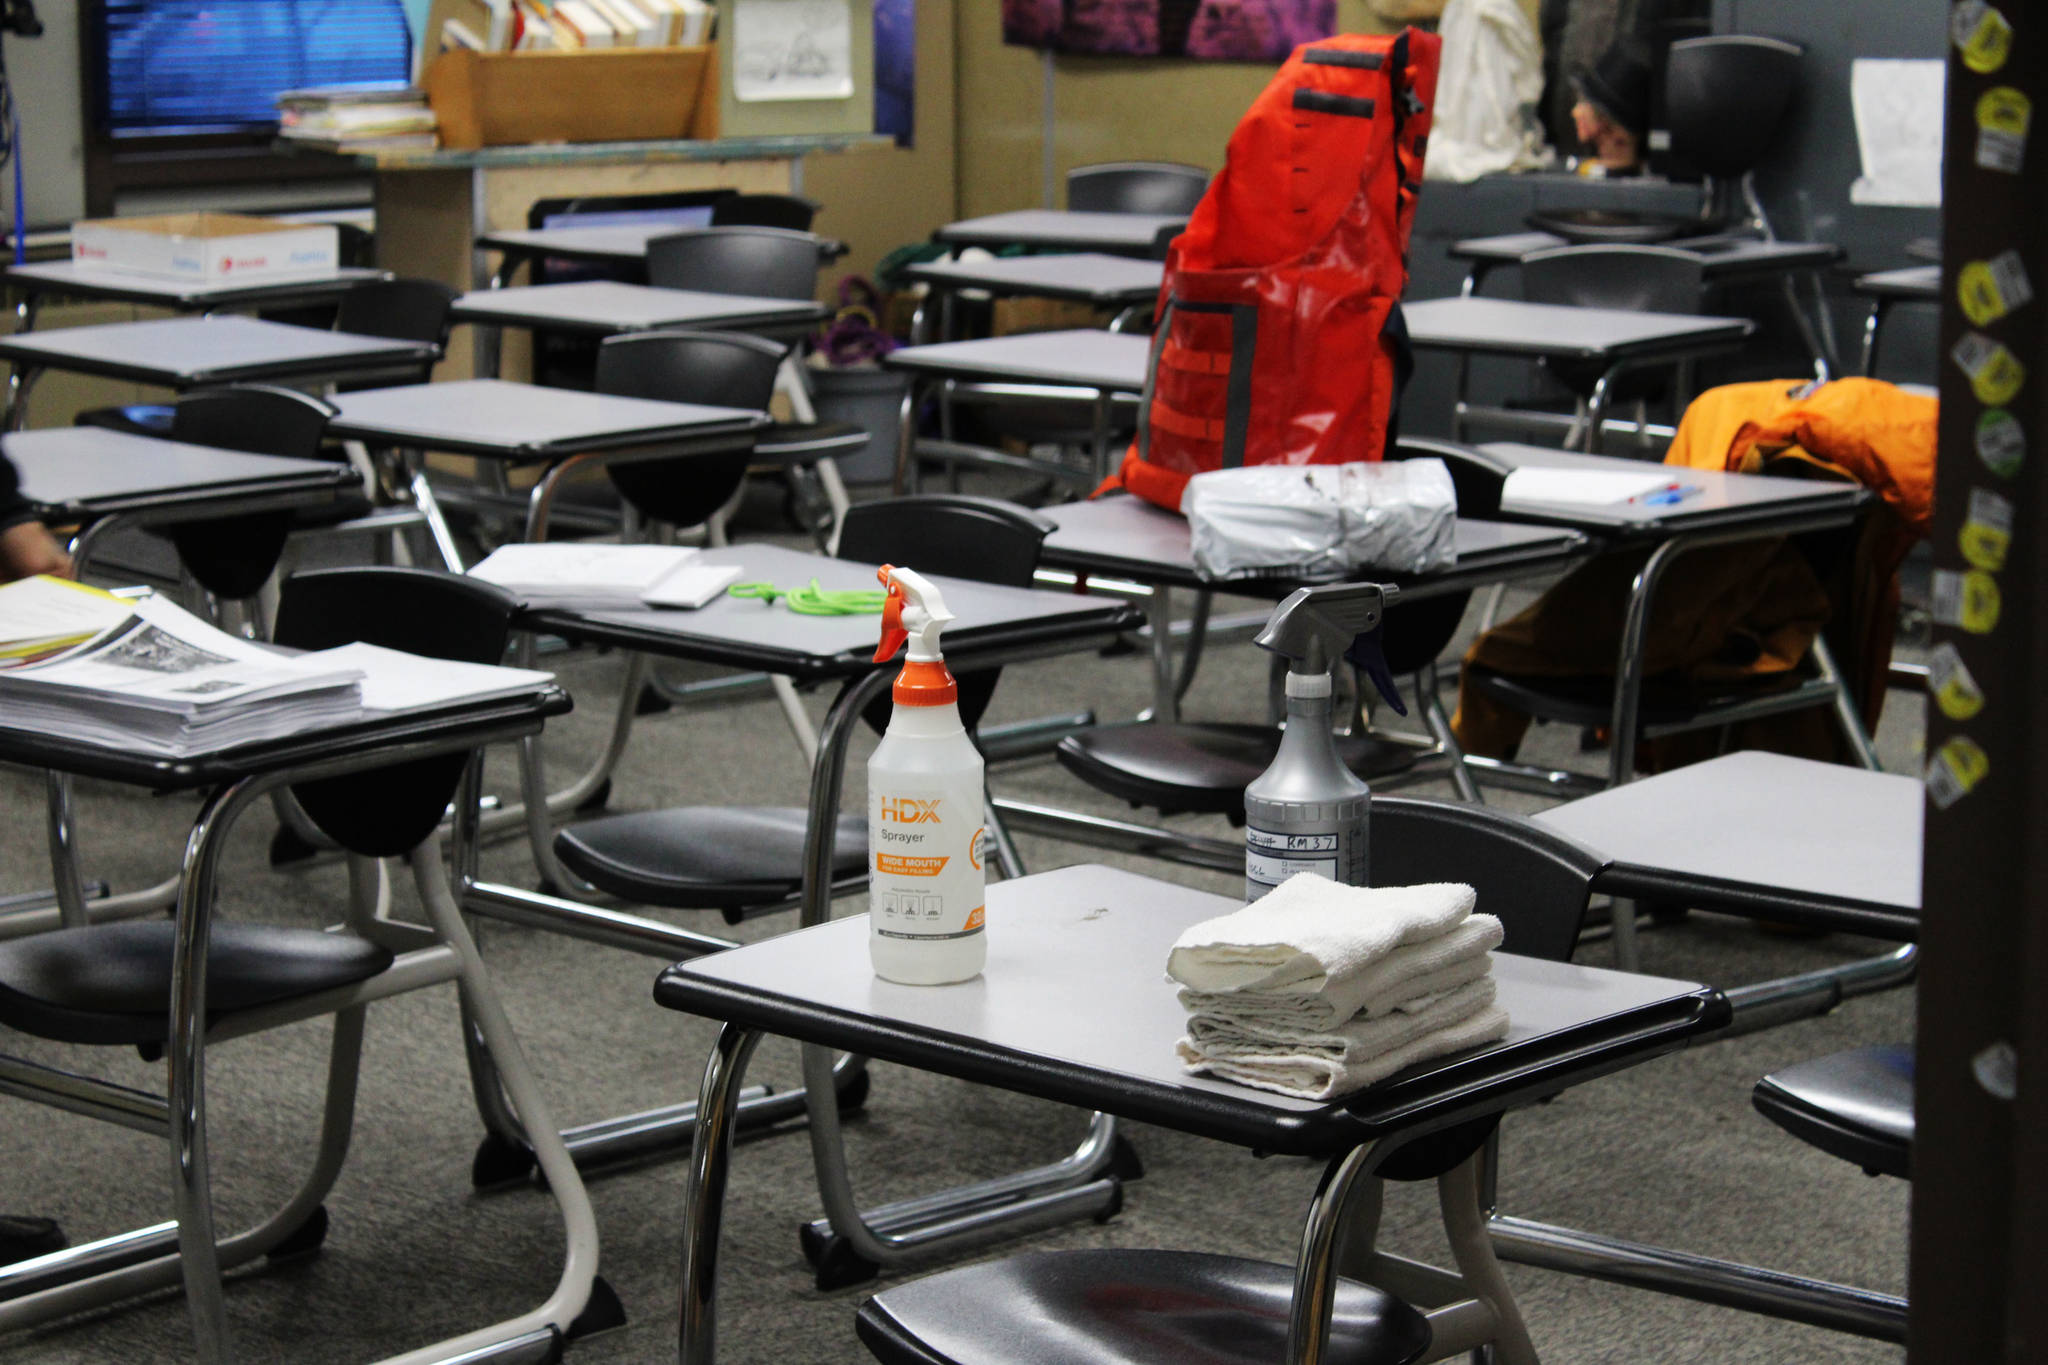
(1816, 845)
(1090, 277)
(1725, 500)
(508, 423)
(995, 626)
(1074, 1007)
(1723, 260)
(1102, 363)
(159, 1258)
(1119, 234)
(71, 280)
(101, 480)
(606, 307)
(1121, 536)
(1885, 288)
(187, 353)
(615, 244)
(1613, 338)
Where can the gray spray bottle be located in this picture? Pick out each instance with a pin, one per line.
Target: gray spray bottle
(1308, 812)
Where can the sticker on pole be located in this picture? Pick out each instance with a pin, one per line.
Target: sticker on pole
(2003, 115)
(1988, 290)
(1987, 530)
(1966, 600)
(1949, 679)
(1982, 34)
(1995, 372)
(1955, 770)
(2001, 442)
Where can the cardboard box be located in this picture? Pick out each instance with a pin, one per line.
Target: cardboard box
(620, 94)
(206, 248)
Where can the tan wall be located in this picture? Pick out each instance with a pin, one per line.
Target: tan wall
(1106, 109)
(876, 201)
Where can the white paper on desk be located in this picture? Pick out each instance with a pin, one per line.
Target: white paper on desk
(1580, 487)
(396, 681)
(574, 574)
(42, 612)
(792, 50)
(691, 586)
(1899, 108)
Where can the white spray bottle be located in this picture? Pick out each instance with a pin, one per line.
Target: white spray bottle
(925, 880)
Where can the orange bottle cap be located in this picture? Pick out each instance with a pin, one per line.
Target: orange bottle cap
(925, 684)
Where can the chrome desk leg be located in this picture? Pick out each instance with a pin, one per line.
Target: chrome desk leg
(1165, 695)
(1198, 635)
(429, 505)
(1596, 411)
(1872, 325)
(972, 1215)
(1427, 687)
(1464, 1213)
(1847, 718)
(1315, 1273)
(65, 880)
(704, 1201)
(21, 380)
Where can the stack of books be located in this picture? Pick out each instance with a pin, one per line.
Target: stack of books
(371, 117)
(575, 577)
(145, 676)
(529, 25)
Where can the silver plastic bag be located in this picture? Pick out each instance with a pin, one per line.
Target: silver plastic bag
(1322, 521)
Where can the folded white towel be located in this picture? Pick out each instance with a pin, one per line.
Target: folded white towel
(1398, 981)
(1320, 1066)
(1309, 932)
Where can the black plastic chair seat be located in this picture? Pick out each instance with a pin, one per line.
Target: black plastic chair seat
(1200, 768)
(808, 442)
(1857, 1105)
(1590, 700)
(137, 419)
(705, 857)
(1117, 1307)
(111, 983)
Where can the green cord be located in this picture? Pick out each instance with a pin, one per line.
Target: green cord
(812, 600)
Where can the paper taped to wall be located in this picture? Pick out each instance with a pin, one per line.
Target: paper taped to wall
(792, 50)
(1898, 106)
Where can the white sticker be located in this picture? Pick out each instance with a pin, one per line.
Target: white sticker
(1969, 600)
(2003, 116)
(2001, 442)
(1995, 372)
(1988, 290)
(1955, 770)
(1983, 35)
(1987, 530)
(1954, 687)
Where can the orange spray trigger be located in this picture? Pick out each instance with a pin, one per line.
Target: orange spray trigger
(894, 636)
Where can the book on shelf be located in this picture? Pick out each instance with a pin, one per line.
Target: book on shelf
(146, 676)
(579, 577)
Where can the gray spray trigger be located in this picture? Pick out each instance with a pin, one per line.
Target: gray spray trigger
(1314, 627)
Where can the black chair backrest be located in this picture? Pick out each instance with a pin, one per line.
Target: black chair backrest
(1136, 187)
(390, 811)
(725, 369)
(1418, 631)
(232, 557)
(1726, 99)
(400, 310)
(985, 539)
(1537, 881)
(765, 262)
(789, 211)
(1641, 279)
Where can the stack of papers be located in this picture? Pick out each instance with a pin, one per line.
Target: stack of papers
(576, 577)
(149, 677)
(378, 116)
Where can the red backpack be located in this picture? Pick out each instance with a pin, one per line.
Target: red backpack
(1274, 343)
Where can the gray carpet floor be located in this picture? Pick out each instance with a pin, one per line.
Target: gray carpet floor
(1669, 1152)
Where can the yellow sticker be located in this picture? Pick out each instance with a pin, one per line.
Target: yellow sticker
(1955, 770)
(1988, 290)
(1983, 35)
(1954, 687)
(1996, 374)
(2003, 116)
(1987, 530)
(1969, 600)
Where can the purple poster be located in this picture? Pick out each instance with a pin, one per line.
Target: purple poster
(1216, 30)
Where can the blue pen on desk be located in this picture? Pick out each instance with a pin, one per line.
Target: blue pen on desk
(1668, 496)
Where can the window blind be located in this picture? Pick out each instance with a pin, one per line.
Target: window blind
(180, 66)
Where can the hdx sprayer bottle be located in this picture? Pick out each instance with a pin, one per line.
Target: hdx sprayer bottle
(925, 795)
(1308, 812)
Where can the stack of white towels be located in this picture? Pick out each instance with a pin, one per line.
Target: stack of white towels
(1317, 989)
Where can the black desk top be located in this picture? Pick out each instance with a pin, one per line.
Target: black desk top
(444, 728)
(745, 633)
(1127, 537)
(1512, 327)
(602, 307)
(1074, 1006)
(500, 419)
(183, 353)
(69, 279)
(80, 473)
(1087, 276)
(1064, 230)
